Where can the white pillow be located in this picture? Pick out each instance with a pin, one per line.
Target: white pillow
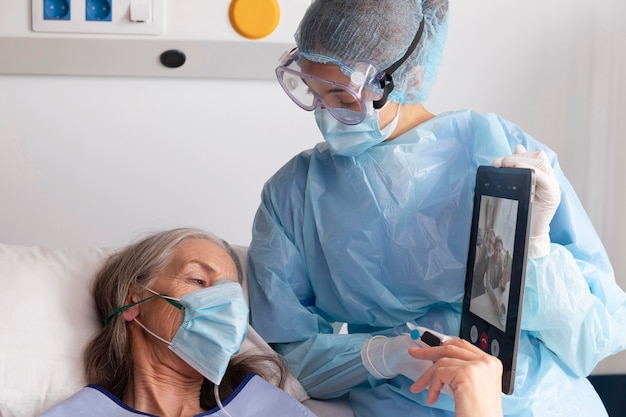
(47, 318)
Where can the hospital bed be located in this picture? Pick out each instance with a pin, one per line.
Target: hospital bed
(47, 318)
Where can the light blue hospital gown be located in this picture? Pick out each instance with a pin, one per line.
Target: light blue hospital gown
(382, 238)
(253, 397)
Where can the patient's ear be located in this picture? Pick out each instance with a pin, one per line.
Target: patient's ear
(131, 313)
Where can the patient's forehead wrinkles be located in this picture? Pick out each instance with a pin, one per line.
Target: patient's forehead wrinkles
(183, 266)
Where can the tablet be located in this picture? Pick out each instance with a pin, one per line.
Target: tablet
(496, 265)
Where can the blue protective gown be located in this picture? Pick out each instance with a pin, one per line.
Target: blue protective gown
(381, 239)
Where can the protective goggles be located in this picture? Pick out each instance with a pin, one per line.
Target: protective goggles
(367, 90)
(348, 103)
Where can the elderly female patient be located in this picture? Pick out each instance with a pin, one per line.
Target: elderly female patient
(174, 314)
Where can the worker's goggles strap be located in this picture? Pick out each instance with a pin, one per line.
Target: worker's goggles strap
(386, 80)
(349, 104)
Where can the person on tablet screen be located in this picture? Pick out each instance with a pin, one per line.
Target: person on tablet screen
(483, 252)
(494, 265)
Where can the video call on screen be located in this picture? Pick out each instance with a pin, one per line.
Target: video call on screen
(494, 254)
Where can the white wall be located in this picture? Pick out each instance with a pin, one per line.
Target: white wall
(96, 160)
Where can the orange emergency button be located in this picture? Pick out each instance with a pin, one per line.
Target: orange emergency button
(254, 19)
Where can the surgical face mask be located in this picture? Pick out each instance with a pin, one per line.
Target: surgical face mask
(352, 140)
(215, 325)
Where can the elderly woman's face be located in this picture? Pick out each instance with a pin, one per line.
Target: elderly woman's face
(195, 264)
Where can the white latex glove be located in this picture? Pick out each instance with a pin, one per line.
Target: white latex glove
(547, 195)
(387, 357)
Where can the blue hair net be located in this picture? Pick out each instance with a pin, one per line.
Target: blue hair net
(378, 32)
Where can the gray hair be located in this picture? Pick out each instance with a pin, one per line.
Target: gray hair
(108, 359)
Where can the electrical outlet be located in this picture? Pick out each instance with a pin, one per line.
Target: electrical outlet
(98, 10)
(56, 10)
(123, 17)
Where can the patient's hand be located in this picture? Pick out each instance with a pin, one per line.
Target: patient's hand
(474, 376)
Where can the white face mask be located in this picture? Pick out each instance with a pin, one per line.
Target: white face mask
(352, 140)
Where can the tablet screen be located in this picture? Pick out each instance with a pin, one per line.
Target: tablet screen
(492, 266)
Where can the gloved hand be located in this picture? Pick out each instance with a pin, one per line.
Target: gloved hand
(547, 195)
(387, 357)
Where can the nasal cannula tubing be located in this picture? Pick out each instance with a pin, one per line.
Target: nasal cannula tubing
(216, 393)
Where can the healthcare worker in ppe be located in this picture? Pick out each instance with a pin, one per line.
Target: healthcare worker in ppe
(371, 227)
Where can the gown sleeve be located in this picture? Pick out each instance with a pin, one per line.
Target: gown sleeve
(282, 301)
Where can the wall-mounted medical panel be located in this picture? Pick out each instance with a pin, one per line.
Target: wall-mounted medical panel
(163, 38)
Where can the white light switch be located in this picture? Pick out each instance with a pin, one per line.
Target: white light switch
(140, 10)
